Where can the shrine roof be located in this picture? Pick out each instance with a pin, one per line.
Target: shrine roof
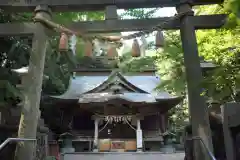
(99, 88)
(140, 98)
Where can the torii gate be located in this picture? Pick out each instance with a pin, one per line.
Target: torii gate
(187, 24)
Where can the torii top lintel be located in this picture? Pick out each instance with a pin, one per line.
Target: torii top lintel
(91, 5)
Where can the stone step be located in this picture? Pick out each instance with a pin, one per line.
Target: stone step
(123, 156)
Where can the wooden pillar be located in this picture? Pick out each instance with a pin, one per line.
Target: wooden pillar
(30, 113)
(90, 145)
(95, 142)
(163, 123)
(196, 102)
(139, 136)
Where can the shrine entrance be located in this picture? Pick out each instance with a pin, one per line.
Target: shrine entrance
(118, 134)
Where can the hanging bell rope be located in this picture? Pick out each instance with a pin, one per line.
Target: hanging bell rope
(88, 49)
(63, 43)
(135, 48)
(61, 28)
(159, 41)
(112, 52)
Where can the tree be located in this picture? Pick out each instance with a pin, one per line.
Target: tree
(13, 54)
(218, 46)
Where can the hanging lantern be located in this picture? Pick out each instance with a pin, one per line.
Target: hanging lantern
(112, 52)
(159, 43)
(63, 43)
(88, 49)
(135, 49)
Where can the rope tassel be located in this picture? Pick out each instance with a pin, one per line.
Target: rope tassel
(159, 42)
(136, 48)
(63, 42)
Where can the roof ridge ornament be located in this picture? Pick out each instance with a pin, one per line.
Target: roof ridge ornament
(116, 89)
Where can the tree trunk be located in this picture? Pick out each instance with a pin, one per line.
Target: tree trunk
(32, 90)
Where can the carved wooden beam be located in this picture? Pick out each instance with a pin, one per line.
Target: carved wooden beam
(200, 22)
(83, 5)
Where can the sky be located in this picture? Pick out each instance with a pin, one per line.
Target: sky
(163, 12)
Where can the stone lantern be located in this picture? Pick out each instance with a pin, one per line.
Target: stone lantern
(168, 145)
(67, 146)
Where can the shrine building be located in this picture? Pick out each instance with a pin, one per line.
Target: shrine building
(106, 110)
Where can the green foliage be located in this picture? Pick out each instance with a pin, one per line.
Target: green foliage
(67, 17)
(140, 13)
(178, 117)
(230, 7)
(233, 7)
(221, 46)
(14, 54)
(57, 68)
(171, 66)
(138, 64)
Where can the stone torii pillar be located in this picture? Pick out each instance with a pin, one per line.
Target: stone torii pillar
(32, 92)
(197, 106)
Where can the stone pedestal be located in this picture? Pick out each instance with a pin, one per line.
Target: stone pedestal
(167, 146)
(168, 149)
(67, 143)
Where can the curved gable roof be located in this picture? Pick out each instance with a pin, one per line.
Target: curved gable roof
(80, 85)
(117, 78)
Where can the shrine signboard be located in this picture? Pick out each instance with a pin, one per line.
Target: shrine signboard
(117, 119)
